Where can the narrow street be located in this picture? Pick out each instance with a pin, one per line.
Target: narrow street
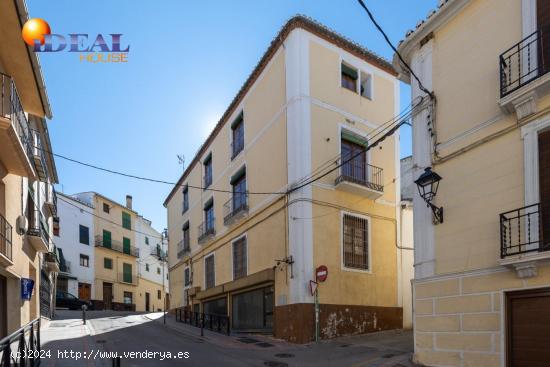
(110, 332)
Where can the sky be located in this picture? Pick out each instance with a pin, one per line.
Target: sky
(187, 61)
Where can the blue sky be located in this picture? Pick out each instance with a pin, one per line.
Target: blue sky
(186, 63)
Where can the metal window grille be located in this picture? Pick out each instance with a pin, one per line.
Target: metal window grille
(210, 272)
(355, 242)
(239, 258)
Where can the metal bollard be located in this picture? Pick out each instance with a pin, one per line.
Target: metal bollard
(202, 325)
(84, 308)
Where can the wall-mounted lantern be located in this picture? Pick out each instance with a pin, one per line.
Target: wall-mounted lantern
(428, 183)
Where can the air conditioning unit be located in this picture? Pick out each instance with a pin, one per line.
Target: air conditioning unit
(21, 225)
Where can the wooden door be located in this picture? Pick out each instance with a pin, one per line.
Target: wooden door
(543, 24)
(108, 296)
(528, 328)
(147, 300)
(84, 291)
(544, 186)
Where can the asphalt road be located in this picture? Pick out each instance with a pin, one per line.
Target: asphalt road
(154, 344)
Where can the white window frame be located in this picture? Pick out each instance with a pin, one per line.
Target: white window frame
(232, 254)
(204, 268)
(364, 69)
(369, 242)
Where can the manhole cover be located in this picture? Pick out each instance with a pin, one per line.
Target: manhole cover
(247, 340)
(275, 364)
(264, 345)
(284, 355)
(101, 341)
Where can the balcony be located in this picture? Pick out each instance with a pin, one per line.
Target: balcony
(65, 266)
(183, 248)
(524, 74)
(158, 253)
(521, 238)
(116, 246)
(235, 208)
(38, 155)
(5, 242)
(128, 278)
(362, 179)
(207, 230)
(51, 262)
(51, 200)
(15, 136)
(38, 233)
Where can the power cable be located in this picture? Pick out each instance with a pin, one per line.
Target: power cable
(420, 85)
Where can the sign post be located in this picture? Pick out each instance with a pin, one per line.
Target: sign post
(321, 274)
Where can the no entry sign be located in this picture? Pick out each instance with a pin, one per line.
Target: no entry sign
(321, 273)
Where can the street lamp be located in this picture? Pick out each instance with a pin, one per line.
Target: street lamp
(428, 183)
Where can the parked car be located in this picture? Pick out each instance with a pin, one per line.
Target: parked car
(67, 300)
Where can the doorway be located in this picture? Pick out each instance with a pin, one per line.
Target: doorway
(84, 291)
(108, 295)
(3, 307)
(253, 310)
(147, 300)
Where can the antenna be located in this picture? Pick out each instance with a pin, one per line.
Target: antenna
(181, 160)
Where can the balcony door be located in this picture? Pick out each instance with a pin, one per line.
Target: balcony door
(544, 185)
(543, 24)
(354, 161)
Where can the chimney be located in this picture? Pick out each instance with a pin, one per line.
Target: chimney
(129, 201)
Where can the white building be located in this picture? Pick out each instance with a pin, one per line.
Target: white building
(74, 240)
(152, 252)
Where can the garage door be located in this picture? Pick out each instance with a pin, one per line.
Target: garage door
(528, 328)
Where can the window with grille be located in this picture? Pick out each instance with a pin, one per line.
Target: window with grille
(187, 277)
(355, 242)
(239, 258)
(209, 269)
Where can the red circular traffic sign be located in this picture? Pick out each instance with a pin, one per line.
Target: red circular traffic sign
(321, 273)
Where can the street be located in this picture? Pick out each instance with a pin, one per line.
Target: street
(67, 342)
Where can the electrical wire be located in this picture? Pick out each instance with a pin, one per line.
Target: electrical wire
(420, 85)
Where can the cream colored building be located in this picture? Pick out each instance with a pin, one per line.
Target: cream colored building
(118, 282)
(27, 173)
(482, 278)
(249, 251)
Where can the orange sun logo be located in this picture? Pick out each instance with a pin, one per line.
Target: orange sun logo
(35, 29)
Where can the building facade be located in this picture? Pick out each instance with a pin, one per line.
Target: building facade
(249, 251)
(120, 255)
(75, 243)
(482, 279)
(27, 174)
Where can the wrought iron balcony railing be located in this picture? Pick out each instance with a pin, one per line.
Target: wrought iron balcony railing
(207, 229)
(38, 227)
(362, 173)
(183, 247)
(65, 266)
(39, 155)
(51, 199)
(116, 246)
(207, 180)
(523, 63)
(521, 231)
(22, 347)
(158, 253)
(12, 109)
(234, 207)
(5, 238)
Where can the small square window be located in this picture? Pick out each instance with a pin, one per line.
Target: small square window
(366, 85)
(84, 260)
(159, 294)
(106, 207)
(349, 77)
(107, 263)
(158, 270)
(146, 240)
(146, 267)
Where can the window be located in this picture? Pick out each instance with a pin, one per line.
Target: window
(185, 199)
(84, 234)
(366, 85)
(187, 277)
(186, 238)
(128, 298)
(349, 77)
(146, 240)
(84, 260)
(126, 220)
(354, 157)
(106, 207)
(355, 242)
(209, 215)
(237, 131)
(208, 171)
(126, 273)
(107, 263)
(239, 258)
(126, 246)
(159, 294)
(106, 239)
(210, 274)
(146, 267)
(238, 183)
(158, 270)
